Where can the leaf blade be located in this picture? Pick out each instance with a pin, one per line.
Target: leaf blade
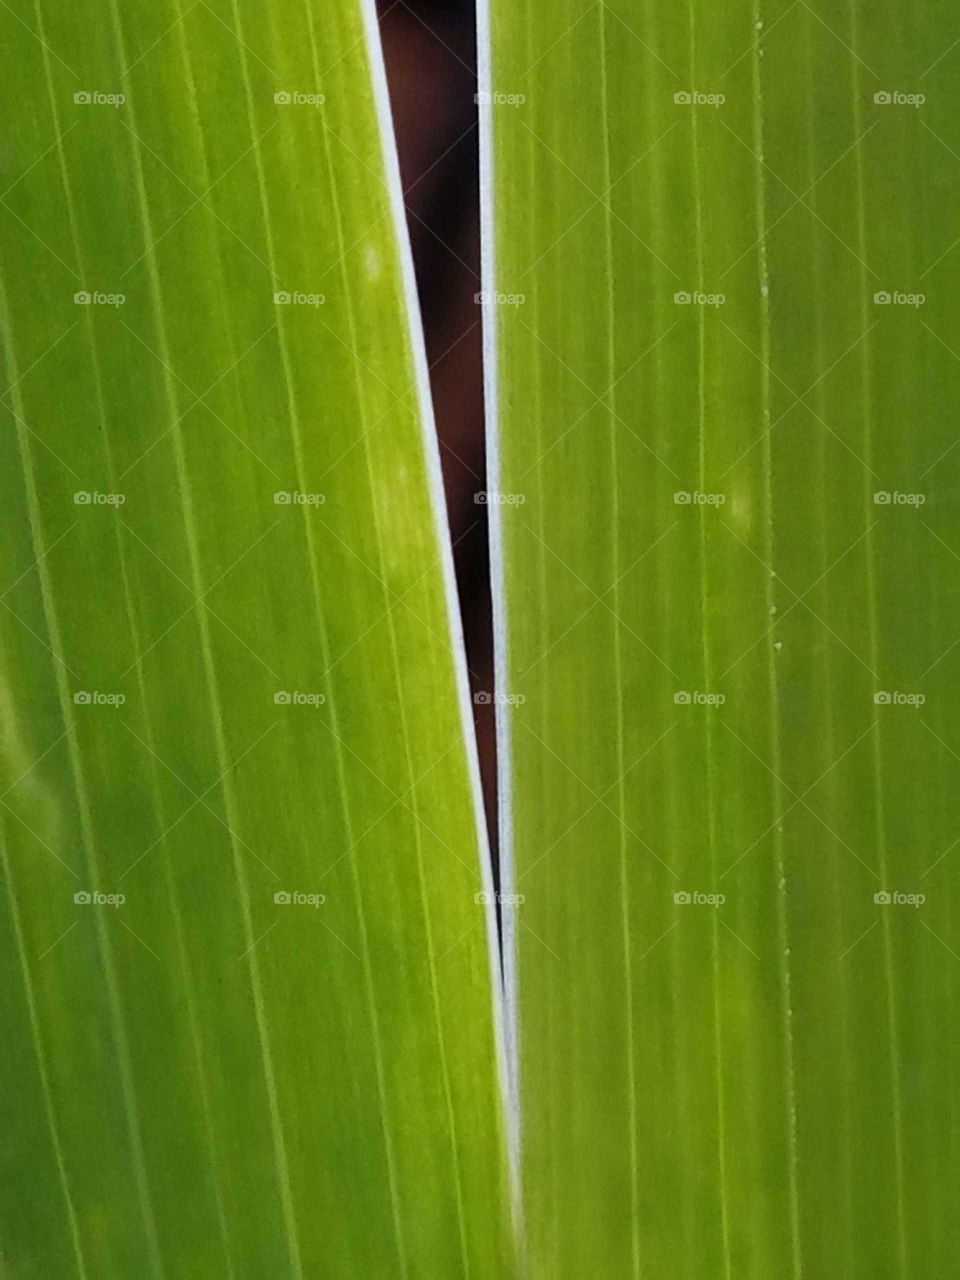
(285, 1088)
(699, 1084)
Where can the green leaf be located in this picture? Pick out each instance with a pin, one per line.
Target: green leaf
(683, 493)
(230, 670)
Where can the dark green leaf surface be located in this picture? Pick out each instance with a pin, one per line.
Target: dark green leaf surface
(727, 666)
(227, 673)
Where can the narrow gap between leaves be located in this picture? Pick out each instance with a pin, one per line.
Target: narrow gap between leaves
(430, 53)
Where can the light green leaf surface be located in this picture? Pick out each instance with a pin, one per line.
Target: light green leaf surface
(212, 696)
(766, 1087)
